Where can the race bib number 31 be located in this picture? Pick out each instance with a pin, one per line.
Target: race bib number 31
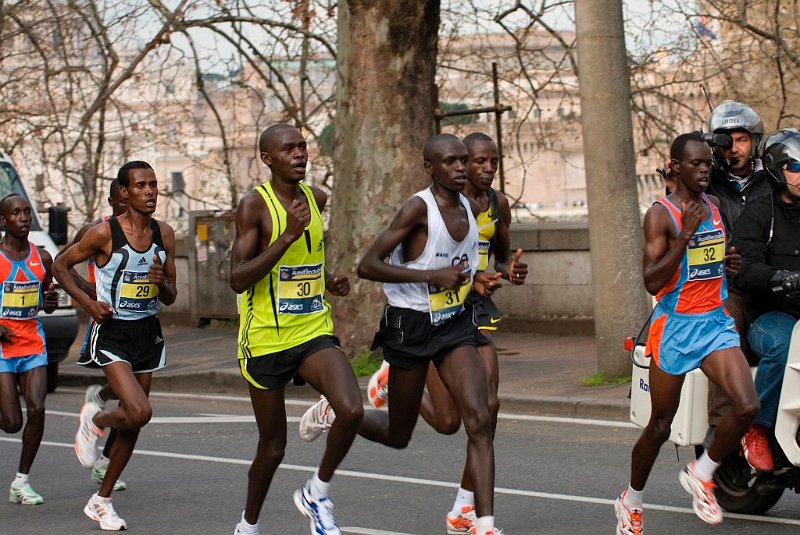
(706, 255)
(446, 303)
(137, 292)
(20, 300)
(300, 289)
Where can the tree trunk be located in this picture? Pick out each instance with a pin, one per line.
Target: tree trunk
(615, 235)
(384, 104)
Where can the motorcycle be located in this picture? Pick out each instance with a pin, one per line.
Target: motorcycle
(740, 489)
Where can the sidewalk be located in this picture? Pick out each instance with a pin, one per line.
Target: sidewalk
(539, 374)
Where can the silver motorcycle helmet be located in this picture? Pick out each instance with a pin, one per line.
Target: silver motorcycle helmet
(781, 149)
(731, 116)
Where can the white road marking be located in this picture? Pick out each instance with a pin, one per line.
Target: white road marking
(199, 419)
(308, 403)
(430, 483)
(367, 531)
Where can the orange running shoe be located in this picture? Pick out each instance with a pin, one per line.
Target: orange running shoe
(755, 445)
(463, 522)
(378, 386)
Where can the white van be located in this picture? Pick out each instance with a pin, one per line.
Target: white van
(60, 327)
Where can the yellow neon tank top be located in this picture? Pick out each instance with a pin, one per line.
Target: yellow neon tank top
(287, 308)
(487, 224)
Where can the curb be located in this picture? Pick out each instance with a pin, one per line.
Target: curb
(217, 382)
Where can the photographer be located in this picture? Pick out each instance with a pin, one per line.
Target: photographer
(737, 180)
(768, 238)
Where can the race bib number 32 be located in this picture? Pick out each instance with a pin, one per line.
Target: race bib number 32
(706, 255)
(137, 292)
(20, 300)
(300, 289)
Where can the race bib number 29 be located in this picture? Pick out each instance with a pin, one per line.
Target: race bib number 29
(137, 292)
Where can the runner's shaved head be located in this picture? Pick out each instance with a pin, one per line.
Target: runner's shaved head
(434, 144)
(268, 135)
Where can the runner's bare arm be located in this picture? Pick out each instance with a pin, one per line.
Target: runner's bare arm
(94, 243)
(502, 245)
(335, 282)
(167, 287)
(50, 294)
(411, 216)
(85, 285)
(254, 228)
(660, 260)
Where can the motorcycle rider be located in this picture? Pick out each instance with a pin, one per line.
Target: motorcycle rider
(768, 239)
(737, 180)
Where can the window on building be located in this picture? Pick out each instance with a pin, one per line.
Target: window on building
(176, 178)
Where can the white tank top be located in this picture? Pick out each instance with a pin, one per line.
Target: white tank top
(440, 251)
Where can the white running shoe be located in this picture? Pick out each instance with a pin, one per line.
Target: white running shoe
(87, 436)
(24, 494)
(318, 511)
(629, 521)
(93, 396)
(99, 473)
(704, 501)
(316, 420)
(243, 528)
(378, 386)
(101, 510)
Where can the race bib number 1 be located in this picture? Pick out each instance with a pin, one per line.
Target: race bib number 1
(137, 292)
(706, 255)
(300, 289)
(20, 300)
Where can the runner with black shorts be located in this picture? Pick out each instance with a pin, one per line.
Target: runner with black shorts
(26, 287)
(285, 325)
(432, 247)
(134, 256)
(99, 394)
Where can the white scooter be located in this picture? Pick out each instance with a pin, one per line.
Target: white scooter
(739, 488)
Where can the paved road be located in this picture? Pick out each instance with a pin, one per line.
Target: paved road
(554, 475)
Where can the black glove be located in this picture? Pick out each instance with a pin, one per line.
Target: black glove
(785, 282)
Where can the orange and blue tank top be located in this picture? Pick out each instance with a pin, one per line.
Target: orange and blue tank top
(698, 285)
(20, 300)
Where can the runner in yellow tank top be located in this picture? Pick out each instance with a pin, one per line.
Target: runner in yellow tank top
(278, 265)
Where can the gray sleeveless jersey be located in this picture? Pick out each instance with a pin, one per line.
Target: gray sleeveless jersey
(123, 282)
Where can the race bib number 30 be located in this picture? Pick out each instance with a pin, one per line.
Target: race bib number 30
(137, 292)
(706, 254)
(20, 300)
(444, 303)
(300, 289)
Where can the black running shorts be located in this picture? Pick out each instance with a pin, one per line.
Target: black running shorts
(408, 339)
(140, 343)
(487, 315)
(272, 371)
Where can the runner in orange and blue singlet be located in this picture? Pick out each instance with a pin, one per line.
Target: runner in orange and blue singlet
(690, 321)
(25, 288)
(684, 264)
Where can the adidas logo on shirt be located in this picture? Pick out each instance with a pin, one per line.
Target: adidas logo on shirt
(142, 262)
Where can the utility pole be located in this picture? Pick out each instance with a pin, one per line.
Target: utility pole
(615, 235)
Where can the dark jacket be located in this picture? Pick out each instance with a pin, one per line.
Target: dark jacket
(731, 200)
(762, 256)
